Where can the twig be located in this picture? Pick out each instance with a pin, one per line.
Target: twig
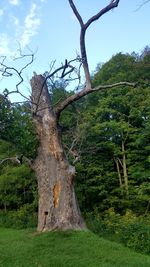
(10, 71)
(140, 6)
(64, 73)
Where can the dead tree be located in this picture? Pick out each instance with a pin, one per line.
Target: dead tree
(58, 208)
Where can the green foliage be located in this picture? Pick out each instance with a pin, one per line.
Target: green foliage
(117, 125)
(17, 182)
(16, 127)
(18, 186)
(23, 132)
(25, 217)
(7, 150)
(137, 237)
(6, 117)
(128, 229)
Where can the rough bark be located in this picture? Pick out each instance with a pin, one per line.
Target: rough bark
(58, 208)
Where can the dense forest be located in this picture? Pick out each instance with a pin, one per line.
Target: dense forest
(105, 134)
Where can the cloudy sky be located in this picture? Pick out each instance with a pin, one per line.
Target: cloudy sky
(49, 28)
(20, 22)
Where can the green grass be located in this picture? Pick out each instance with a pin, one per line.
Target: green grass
(24, 248)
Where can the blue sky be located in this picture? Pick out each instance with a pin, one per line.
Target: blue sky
(50, 29)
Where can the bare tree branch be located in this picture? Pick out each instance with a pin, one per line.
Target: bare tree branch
(84, 26)
(67, 68)
(76, 13)
(106, 9)
(73, 152)
(18, 160)
(88, 88)
(142, 4)
(86, 91)
(13, 159)
(10, 71)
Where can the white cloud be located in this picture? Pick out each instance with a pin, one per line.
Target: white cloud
(14, 2)
(4, 45)
(20, 32)
(31, 24)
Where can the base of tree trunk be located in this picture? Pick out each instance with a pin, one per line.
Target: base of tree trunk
(65, 216)
(63, 227)
(58, 208)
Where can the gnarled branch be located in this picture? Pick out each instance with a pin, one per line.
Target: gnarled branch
(87, 91)
(7, 71)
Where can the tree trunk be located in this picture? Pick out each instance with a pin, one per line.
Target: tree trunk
(119, 174)
(125, 173)
(58, 208)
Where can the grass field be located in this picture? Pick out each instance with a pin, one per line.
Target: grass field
(24, 248)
